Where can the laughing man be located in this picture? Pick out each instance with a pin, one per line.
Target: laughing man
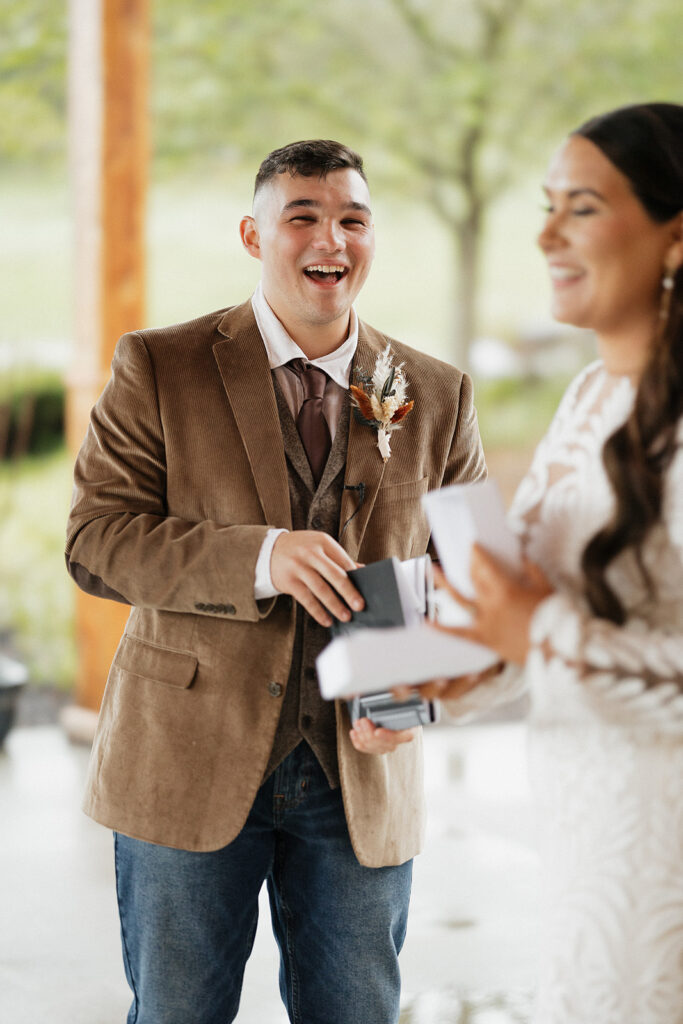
(204, 501)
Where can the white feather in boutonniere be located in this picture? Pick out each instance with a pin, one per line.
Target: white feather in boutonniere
(380, 400)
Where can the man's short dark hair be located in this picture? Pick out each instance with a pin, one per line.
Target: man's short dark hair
(314, 156)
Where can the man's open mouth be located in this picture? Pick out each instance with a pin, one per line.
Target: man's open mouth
(326, 272)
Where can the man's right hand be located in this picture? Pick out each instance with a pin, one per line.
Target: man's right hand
(313, 567)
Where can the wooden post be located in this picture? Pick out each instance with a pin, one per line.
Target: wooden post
(108, 74)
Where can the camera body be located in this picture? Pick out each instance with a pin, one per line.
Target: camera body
(386, 712)
(396, 594)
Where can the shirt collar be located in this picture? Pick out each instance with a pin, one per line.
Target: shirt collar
(280, 347)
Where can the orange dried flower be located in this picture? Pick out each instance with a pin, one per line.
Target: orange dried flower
(363, 402)
(402, 412)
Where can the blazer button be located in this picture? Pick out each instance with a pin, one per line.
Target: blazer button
(229, 609)
(200, 606)
(275, 689)
(316, 522)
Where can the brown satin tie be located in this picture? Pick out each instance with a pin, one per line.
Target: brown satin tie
(311, 423)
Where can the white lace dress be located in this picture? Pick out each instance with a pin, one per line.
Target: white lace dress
(605, 733)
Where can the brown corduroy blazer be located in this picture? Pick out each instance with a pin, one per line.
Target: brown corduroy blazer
(180, 476)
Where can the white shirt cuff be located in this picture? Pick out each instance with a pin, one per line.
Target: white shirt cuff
(263, 584)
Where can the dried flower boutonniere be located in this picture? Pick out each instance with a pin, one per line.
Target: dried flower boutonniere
(380, 400)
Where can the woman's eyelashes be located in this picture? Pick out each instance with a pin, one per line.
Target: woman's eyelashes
(577, 211)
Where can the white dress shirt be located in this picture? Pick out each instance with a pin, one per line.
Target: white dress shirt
(281, 348)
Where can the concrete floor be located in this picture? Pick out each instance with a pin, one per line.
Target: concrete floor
(473, 918)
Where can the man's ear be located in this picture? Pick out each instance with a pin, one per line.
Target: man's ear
(250, 237)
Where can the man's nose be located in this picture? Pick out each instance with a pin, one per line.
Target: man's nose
(329, 237)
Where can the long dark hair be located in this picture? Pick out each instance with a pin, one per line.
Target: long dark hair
(644, 142)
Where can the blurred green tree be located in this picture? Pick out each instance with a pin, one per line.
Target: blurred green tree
(448, 99)
(451, 100)
(33, 53)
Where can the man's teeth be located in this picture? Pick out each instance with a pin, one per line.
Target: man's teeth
(325, 268)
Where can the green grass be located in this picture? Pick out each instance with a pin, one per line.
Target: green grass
(37, 596)
(196, 263)
(35, 262)
(514, 414)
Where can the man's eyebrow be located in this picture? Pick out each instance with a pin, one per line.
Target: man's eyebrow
(314, 203)
(299, 202)
(361, 207)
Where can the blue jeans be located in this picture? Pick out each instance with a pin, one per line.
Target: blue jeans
(188, 920)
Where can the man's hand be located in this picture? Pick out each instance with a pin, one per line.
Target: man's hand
(313, 567)
(367, 738)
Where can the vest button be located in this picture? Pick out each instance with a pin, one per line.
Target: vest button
(275, 689)
(316, 523)
(306, 721)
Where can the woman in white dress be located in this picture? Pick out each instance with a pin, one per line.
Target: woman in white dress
(599, 626)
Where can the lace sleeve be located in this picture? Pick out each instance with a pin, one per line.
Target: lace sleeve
(627, 669)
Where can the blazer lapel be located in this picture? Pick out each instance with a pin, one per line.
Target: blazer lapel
(243, 365)
(364, 464)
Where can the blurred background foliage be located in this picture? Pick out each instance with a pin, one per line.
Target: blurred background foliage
(455, 105)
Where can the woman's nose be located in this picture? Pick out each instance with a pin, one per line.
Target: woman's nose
(549, 235)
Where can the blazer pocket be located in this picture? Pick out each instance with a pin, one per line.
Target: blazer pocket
(409, 491)
(159, 664)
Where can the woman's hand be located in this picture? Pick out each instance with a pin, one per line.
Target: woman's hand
(503, 606)
(449, 689)
(367, 738)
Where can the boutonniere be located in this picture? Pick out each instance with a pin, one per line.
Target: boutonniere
(379, 401)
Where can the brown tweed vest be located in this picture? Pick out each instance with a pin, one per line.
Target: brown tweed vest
(305, 715)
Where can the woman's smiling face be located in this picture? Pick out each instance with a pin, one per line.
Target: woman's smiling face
(605, 254)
